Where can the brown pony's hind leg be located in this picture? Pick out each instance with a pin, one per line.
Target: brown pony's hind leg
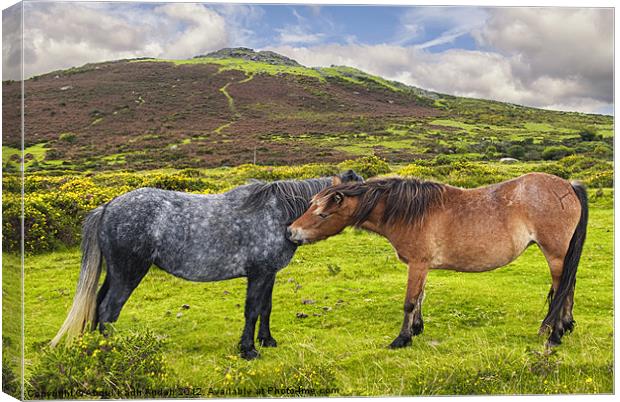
(412, 322)
(556, 265)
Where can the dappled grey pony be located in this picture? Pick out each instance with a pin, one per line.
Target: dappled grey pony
(195, 237)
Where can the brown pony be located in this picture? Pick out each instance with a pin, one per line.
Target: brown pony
(437, 226)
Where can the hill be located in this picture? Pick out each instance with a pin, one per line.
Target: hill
(234, 105)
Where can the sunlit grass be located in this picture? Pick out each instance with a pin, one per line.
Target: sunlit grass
(480, 334)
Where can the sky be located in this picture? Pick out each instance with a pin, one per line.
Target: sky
(553, 58)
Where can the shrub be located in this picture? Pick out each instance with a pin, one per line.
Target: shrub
(469, 174)
(554, 169)
(589, 134)
(189, 172)
(601, 179)
(491, 152)
(95, 366)
(414, 170)
(461, 148)
(580, 163)
(10, 382)
(603, 151)
(442, 160)
(67, 137)
(175, 182)
(556, 152)
(516, 151)
(52, 217)
(577, 163)
(308, 171)
(366, 166)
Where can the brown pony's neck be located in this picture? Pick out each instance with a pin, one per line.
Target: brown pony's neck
(373, 223)
(392, 201)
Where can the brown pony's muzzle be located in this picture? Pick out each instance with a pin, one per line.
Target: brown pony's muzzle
(295, 235)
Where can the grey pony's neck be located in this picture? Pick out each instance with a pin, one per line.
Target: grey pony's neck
(290, 197)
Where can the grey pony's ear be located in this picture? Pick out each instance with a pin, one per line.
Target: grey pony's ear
(350, 175)
(336, 180)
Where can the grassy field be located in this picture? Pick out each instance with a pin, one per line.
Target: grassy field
(480, 335)
(339, 303)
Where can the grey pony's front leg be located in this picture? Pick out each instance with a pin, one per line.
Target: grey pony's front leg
(264, 333)
(257, 283)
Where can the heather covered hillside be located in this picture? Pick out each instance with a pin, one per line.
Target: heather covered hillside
(225, 107)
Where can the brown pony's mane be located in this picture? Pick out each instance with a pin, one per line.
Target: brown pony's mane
(407, 201)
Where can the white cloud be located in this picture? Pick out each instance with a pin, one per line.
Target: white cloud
(62, 35)
(572, 46)
(480, 74)
(11, 42)
(302, 31)
(450, 22)
(205, 30)
(548, 58)
(297, 34)
(551, 58)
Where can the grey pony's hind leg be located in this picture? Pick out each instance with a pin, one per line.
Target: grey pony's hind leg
(122, 278)
(257, 284)
(264, 332)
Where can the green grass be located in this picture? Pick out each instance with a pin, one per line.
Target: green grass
(12, 313)
(480, 335)
(248, 67)
(37, 151)
(229, 98)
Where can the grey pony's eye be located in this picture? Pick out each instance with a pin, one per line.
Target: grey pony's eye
(323, 216)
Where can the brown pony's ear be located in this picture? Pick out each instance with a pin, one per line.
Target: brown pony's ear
(338, 197)
(336, 180)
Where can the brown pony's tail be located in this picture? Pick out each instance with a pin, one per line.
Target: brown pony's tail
(571, 260)
(84, 308)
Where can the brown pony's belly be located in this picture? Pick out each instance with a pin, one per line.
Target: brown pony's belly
(480, 254)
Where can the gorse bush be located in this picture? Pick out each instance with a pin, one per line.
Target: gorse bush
(470, 174)
(415, 170)
(270, 173)
(94, 366)
(367, 166)
(601, 179)
(55, 206)
(556, 152)
(555, 169)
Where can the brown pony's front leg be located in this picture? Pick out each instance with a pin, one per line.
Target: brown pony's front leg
(412, 323)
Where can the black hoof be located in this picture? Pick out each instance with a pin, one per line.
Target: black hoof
(569, 326)
(401, 341)
(417, 329)
(268, 342)
(249, 354)
(554, 340)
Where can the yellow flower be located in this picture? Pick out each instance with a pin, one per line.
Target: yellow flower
(588, 380)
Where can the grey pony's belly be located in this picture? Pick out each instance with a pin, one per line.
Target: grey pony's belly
(202, 273)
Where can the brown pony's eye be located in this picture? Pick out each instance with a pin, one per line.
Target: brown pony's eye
(323, 216)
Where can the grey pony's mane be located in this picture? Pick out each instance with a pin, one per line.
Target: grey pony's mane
(292, 196)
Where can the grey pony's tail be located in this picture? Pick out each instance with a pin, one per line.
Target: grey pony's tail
(84, 309)
(571, 261)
